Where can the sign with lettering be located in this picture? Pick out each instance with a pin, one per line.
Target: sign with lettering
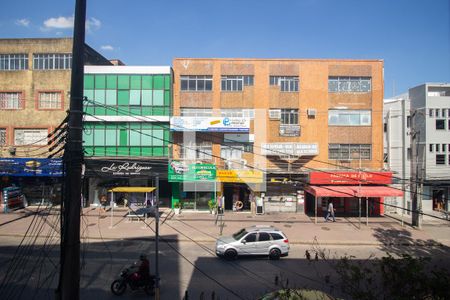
(350, 178)
(179, 171)
(284, 149)
(217, 124)
(31, 167)
(240, 176)
(121, 168)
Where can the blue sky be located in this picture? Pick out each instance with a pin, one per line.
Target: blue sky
(411, 36)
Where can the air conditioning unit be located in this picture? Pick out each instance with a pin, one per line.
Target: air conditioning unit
(311, 112)
(275, 114)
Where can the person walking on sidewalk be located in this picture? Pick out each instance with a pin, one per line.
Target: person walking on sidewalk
(330, 212)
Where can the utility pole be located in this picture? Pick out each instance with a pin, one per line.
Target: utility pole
(73, 155)
(416, 200)
(157, 291)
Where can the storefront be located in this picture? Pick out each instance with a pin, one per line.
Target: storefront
(103, 174)
(39, 179)
(193, 185)
(352, 193)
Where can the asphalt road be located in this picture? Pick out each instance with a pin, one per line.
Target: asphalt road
(184, 266)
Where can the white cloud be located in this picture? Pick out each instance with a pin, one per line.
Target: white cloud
(93, 24)
(107, 47)
(59, 23)
(68, 23)
(23, 22)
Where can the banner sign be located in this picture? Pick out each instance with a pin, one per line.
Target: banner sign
(351, 178)
(31, 167)
(179, 171)
(281, 149)
(121, 168)
(240, 176)
(216, 124)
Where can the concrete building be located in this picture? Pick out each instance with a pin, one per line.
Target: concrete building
(273, 133)
(126, 128)
(34, 96)
(425, 113)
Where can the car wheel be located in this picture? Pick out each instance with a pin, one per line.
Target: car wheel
(274, 254)
(230, 254)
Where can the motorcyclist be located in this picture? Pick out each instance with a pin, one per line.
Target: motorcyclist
(143, 265)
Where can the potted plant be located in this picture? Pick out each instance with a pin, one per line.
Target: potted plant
(212, 206)
(177, 207)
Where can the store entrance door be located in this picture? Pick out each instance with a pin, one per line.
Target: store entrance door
(228, 193)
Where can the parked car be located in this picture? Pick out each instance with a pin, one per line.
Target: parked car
(260, 240)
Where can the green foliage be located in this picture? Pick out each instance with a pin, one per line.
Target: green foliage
(400, 278)
(211, 204)
(177, 205)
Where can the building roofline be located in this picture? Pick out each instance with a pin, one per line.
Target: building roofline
(282, 59)
(127, 69)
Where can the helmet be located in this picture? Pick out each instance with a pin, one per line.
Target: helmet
(142, 257)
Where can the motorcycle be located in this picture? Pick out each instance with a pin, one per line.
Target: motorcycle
(130, 277)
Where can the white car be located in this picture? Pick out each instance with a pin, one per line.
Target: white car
(260, 240)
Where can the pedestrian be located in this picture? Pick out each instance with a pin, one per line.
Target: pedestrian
(330, 212)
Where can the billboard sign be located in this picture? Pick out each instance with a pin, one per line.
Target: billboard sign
(179, 171)
(240, 176)
(296, 149)
(211, 124)
(31, 167)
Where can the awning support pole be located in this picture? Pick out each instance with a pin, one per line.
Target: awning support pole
(111, 203)
(367, 211)
(315, 209)
(359, 210)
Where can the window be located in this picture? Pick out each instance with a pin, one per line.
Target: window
(440, 159)
(263, 236)
(349, 117)
(276, 236)
(235, 83)
(52, 61)
(438, 148)
(431, 147)
(250, 237)
(286, 83)
(2, 136)
(289, 116)
(341, 84)
(30, 137)
(10, 62)
(408, 154)
(196, 83)
(444, 147)
(443, 113)
(11, 100)
(237, 113)
(231, 152)
(430, 112)
(196, 112)
(349, 151)
(50, 100)
(440, 124)
(385, 127)
(408, 121)
(201, 151)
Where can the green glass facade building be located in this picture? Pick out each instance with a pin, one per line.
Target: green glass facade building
(126, 125)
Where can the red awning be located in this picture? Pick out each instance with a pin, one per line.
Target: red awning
(353, 191)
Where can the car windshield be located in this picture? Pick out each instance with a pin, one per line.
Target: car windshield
(238, 235)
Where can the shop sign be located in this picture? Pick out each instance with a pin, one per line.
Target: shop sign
(283, 149)
(179, 171)
(352, 178)
(104, 168)
(31, 167)
(216, 124)
(240, 176)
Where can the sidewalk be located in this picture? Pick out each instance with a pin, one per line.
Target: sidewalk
(201, 227)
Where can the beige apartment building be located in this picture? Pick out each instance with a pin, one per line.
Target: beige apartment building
(34, 97)
(275, 131)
